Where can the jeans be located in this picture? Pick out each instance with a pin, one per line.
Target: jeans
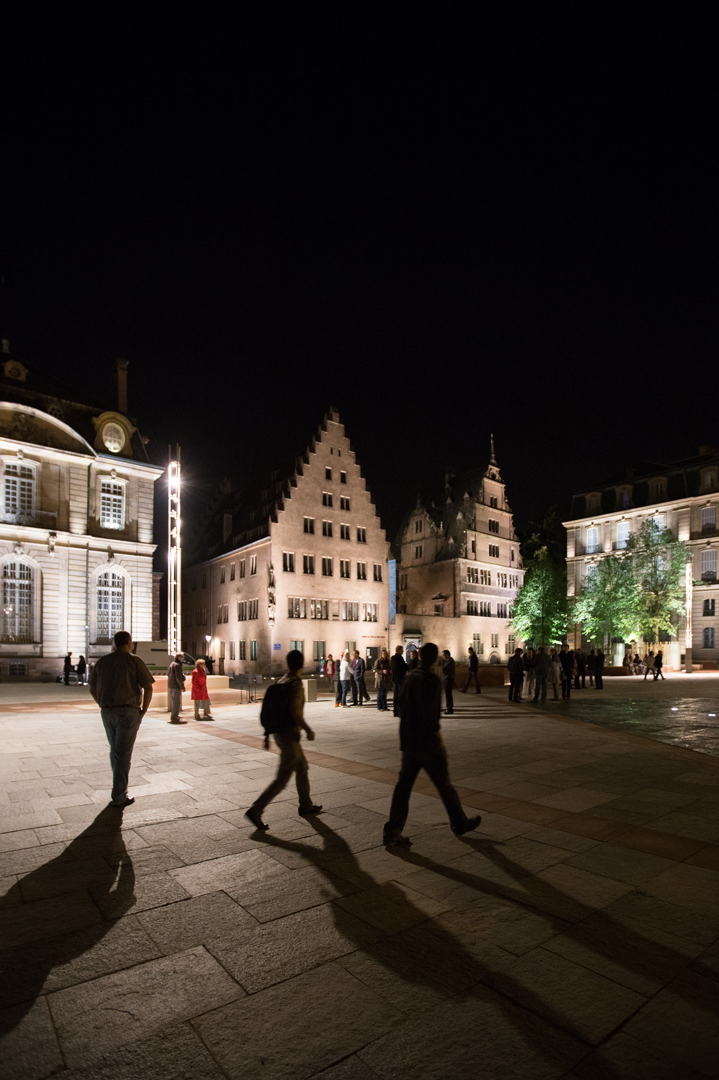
(472, 675)
(205, 708)
(345, 690)
(541, 685)
(381, 698)
(435, 764)
(292, 760)
(174, 700)
(338, 692)
(599, 679)
(448, 696)
(122, 723)
(567, 686)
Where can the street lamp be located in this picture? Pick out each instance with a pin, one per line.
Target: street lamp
(174, 558)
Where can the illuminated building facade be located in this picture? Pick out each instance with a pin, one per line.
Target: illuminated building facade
(459, 569)
(76, 515)
(296, 559)
(683, 497)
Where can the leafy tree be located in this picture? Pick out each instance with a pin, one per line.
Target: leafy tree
(609, 602)
(658, 563)
(539, 614)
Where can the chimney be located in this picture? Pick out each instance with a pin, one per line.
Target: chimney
(121, 368)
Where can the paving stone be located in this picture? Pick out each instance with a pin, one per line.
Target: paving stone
(187, 923)
(478, 1034)
(294, 891)
(622, 1056)
(513, 927)
(680, 1023)
(93, 1018)
(568, 885)
(688, 886)
(391, 907)
(65, 876)
(640, 907)
(28, 922)
(15, 841)
(707, 963)
(232, 873)
(258, 1035)
(176, 1053)
(621, 864)
(349, 1069)
(132, 894)
(558, 839)
(29, 1048)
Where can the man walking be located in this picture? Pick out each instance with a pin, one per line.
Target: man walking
(542, 666)
(658, 664)
(448, 667)
(599, 670)
(399, 670)
(422, 748)
(292, 758)
(473, 672)
(175, 686)
(566, 659)
(515, 667)
(122, 686)
(66, 669)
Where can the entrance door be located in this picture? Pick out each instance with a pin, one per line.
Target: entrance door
(411, 642)
(372, 655)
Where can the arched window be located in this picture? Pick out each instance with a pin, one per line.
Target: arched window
(18, 602)
(110, 605)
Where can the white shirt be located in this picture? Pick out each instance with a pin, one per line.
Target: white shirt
(345, 671)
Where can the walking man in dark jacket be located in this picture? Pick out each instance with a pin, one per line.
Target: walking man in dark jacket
(421, 744)
(448, 680)
(473, 672)
(399, 670)
(566, 659)
(581, 670)
(175, 686)
(515, 667)
(599, 670)
(67, 668)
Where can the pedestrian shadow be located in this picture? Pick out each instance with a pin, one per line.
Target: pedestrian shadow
(34, 911)
(428, 957)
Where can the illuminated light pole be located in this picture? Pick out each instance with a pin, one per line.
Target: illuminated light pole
(174, 558)
(688, 639)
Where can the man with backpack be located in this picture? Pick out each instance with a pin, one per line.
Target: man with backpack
(282, 717)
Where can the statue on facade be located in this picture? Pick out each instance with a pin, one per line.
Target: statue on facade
(271, 599)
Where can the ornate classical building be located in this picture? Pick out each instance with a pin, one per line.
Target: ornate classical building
(683, 497)
(459, 568)
(76, 514)
(295, 559)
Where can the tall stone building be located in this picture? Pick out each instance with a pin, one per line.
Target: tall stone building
(296, 559)
(459, 568)
(682, 496)
(76, 516)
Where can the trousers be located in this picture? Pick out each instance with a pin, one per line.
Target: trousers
(448, 695)
(292, 760)
(174, 697)
(122, 723)
(436, 766)
(472, 675)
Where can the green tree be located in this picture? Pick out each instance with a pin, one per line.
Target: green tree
(539, 614)
(609, 601)
(658, 562)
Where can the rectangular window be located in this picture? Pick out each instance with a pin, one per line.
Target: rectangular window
(241, 610)
(17, 670)
(493, 501)
(708, 637)
(112, 504)
(495, 641)
(327, 498)
(659, 521)
(622, 534)
(288, 562)
(232, 650)
(709, 608)
(328, 473)
(318, 650)
(254, 609)
(501, 611)
(709, 565)
(344, 532)
(369, 612)
(219, 613)
(472, 607)
(308, 564)
(514, 581)
(493, 526)
(319, 609)
(242, 568)
(361, 571)
(222, 575)
(474, 547)
(485, 577)
(592, 541)
(494, 551)
(418, 525)
(378, 571)
(327, 568)
(253, 650)
(17, 597)
(485, 608)
(310, 526)
(243, 650)
(418, 551)
(473, 575)
(327, 528)
(297, 644)
(253, 564)
(296, 607)
(203, 616)
(232, 571)
(350, 611)
(709, 518)
(344, 502)
(350, 646)
(403, 579)
(343, 478)
(361, 535)
(344, 568)
(477, 644)
(501, 581)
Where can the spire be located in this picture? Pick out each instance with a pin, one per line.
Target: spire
(492, 459)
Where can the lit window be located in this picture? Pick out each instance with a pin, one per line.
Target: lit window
(708, 642)
(19, 489)
(296, 607)
(243, 650)
(110, 605)
(350, 611)
(327, 498)
(112, 505)
(622, 534)
(378, 571)
(592, 542)
(253, 564)
(709, 518)
(659, 522)
(709, 565)
(253, 650)
(18, 597)
(288, 562)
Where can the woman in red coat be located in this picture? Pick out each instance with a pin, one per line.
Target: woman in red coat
(199, 692)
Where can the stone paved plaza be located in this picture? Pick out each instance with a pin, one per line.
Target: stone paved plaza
(574, 935)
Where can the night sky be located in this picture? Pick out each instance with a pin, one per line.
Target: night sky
(447, 220)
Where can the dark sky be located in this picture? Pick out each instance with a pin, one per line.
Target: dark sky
(447, 220)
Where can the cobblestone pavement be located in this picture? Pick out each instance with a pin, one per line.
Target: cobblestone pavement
(574, 935)
(682, 709)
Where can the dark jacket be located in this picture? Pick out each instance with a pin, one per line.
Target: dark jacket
(358, 667)
(599, 663)
(473, 662)
(413, 664)
(542, 664)
(566, 659)
(399, 668)
(448, 667)
(581, 663)
(515, 667)
(420, 707)
(175, 677)
(591, 661)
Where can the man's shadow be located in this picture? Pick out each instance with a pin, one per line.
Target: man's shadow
(32, 911)
(429, 956)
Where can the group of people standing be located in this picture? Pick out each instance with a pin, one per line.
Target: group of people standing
(348, 675)
(80, 670)
(651, 664)
(530, 672)
(198, 692)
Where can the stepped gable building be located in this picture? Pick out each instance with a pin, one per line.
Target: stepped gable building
(76, 515)
(459, 568)
(682, 496)
(296, 559)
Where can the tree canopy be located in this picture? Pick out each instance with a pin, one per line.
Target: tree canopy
(539, 613)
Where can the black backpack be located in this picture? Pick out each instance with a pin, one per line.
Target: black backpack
(276, 712)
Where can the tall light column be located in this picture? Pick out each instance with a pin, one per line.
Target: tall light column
(174, 558)
(688, 632)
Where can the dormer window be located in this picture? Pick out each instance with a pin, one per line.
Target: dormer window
(592, 502)
(709, 480)
(418, 525)
(112, 503)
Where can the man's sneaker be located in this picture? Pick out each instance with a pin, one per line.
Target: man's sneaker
(178, 721)
(255, 818)
(470, 824)
(311, 810)
(398, 841)
(125, 802)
